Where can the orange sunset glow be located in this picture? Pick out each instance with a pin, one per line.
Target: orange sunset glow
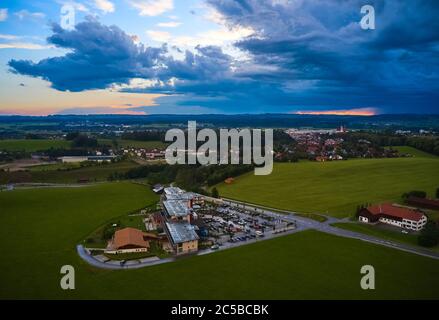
(346, 112)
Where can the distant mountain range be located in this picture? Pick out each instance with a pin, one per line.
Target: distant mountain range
(391, 121)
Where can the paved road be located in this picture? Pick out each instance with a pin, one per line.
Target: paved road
(326, 227)
(99, 264)
(301, 224)
(82, 252)
(34, 185)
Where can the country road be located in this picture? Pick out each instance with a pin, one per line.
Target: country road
(326, 227)
(301, 225)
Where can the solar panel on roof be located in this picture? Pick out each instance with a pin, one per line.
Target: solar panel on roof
(181, 232)
(177, 208)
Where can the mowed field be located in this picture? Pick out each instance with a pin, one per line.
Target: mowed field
(335, 188)
(58, 173)
(32, 145)
(39, 229)
(134, 143)
(414, 152)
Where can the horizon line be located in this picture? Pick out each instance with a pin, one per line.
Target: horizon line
(300, 113)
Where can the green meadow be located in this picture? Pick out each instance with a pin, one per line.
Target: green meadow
(133, 144)
(39, 229)
(32, 145)
(67, 173)
(414, 152)
(379, 232)
(335, 188)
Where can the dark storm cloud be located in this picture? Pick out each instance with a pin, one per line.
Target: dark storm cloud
(102, 56)
(304, 55)
(322, 41)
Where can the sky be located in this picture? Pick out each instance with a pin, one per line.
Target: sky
(218, 56)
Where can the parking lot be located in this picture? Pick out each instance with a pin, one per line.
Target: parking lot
(230, 226)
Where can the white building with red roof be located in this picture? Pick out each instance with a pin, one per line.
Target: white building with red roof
(403, 217)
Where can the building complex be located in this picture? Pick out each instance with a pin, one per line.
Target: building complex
(395, 215)
(177, 216)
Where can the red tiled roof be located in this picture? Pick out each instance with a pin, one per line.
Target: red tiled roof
(396, 211)
(129, 237)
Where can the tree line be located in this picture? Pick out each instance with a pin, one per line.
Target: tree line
(189, 177)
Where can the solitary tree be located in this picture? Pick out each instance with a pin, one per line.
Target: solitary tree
(429, 236)
(415, 193)
(215, 193)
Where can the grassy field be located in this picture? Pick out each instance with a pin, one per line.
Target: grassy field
(98, 172)
(39, 229)
(55, 166)
(312, 216)
(335, 188)
(414, 152)
(96, 239)
(31, 145)
(380, 232)
(134, 143)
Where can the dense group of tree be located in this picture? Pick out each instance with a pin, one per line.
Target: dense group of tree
(415, 193)
(428, 144)
(34, 136)
(80, 140)
(429, 236)
(54, 153)
(13, 155)
(285, 148)
(190, 177)
(149, 135)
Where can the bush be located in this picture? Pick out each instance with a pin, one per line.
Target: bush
(215, 193)
(429, 236)
(108, 232)
(416, 194)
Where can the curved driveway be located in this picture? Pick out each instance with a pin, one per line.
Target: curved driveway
(326, 227)
(301, 224)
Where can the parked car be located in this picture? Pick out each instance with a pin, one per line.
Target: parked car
(259, 234)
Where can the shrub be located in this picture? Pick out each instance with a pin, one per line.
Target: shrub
(415, 193)
(429, 236)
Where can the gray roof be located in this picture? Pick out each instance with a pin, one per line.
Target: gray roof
(175, 193)
(176, 208)
(181, 232)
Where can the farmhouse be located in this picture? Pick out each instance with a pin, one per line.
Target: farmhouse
(403, 217)
(128, 240)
